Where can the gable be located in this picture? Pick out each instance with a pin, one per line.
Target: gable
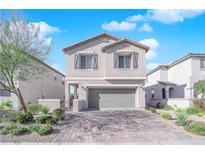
(104, 37)
(125, 43)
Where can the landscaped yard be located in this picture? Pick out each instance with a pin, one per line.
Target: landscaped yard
(192, 119)
(36, 121)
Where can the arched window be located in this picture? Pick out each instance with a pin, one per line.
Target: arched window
(163, 93)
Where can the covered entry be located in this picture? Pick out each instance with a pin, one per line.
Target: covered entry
(111, 98)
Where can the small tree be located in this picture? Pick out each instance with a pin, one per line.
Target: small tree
(199, 88)
(22, 50)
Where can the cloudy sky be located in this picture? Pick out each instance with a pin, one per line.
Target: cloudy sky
(170, 34)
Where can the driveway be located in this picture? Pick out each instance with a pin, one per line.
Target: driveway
(114, 127)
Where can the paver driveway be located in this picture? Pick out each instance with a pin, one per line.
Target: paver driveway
(140, 127)
(110, 127)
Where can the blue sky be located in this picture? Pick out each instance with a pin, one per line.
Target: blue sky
(171, 34)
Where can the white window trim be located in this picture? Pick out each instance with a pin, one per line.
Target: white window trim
(87, 54)
(126, 53)
(130, 58)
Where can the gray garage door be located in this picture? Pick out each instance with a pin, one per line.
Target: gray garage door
(111, 98)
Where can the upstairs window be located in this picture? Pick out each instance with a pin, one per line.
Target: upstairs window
(124, 61)
(202, 63)
(86, 61)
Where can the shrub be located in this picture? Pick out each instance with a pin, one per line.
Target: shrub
(182, 118)
(41, 130)
(177, 109)
(10, 117)
(192, 110)
(165, 115)
(14, 130)
(196, 128)
(153, 110)
(34, 108)
(168, 107)
(24, 117)
(59, 114)
(1, 107)
(44, 110)
(199, 103)
(201, 114)
(34, 127)
(18, 131)
(7, 104)
(46, 130)
(4, 131)
(46, 119)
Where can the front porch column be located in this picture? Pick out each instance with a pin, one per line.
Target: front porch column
(67, 94)
(140, 96)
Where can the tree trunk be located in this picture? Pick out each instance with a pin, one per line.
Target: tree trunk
(20, 97)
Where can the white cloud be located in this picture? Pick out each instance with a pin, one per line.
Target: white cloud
(44, 30)
(151, 66)
(135, 18)
(146, 28)
(153, 44)
(172, 16)
(119, 26)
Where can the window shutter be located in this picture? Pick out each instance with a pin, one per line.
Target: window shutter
(116, 60)
(76, 62)
(95, 61)
(135, 60)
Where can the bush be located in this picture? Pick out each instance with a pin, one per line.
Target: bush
(165, 115)
(201, 114)
(168, 107)
(24, 117)
(199, 103)
(34, 127)
(41, 130)
(46, 119)
(196, 128)
(14, 130)
(192, 110)
(44, 110)
(153, 110)
(46, 130)
(59, 114)
(7, 104)
(34, 108)
(10, 117)
(18, 131)
(182, 118)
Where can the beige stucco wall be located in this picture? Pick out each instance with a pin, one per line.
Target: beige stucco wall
(44, 86)
(90, 47)
(39, 87)
(105, 75)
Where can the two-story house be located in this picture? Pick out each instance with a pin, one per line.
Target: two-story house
(106, 72)
(174, 83)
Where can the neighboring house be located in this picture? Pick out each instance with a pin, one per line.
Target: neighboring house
(48, 85)
(106, 72)
(174, 83)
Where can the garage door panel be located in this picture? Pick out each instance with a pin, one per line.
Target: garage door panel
(111, 98)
